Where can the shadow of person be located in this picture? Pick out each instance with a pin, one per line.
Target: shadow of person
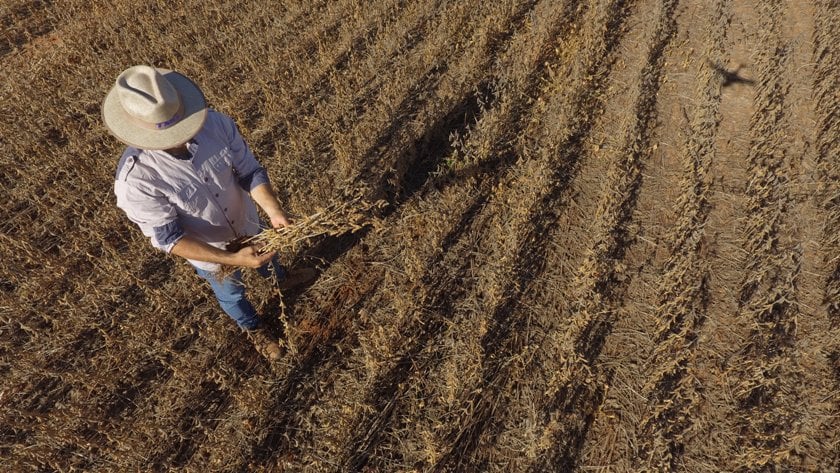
(730, 77)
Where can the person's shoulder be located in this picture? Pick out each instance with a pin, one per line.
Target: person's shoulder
(135, 169)
(219, 124)
(127, 163)
(216, 117)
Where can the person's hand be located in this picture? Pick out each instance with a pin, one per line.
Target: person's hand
(279, 220)
(250, 257)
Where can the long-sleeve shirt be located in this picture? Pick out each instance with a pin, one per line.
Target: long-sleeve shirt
(205, 197)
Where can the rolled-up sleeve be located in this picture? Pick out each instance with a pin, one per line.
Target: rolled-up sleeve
(256, 178)
(250, 173)
(152, 212)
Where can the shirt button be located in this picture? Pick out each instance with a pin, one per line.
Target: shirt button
(232, 222)
(225, 209)
(217, 195)
(206, 179)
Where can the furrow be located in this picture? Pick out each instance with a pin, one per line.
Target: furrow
(550, 159)
(684, 292)
(768, 369)
(580, 384)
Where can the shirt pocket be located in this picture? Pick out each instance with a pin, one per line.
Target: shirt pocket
(219, 162)
(220, 167)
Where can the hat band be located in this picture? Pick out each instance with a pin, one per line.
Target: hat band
(175, 119)
(179, 114)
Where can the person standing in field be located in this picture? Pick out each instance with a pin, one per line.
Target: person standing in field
(189, 181)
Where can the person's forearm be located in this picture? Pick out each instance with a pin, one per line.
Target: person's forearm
(190, 248)
(264, 196)
(248, 256)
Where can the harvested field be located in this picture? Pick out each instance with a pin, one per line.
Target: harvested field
(610, 239)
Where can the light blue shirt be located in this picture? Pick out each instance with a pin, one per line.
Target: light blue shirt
(205, 197)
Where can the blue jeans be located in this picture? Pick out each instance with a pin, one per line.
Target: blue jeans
(230, 292)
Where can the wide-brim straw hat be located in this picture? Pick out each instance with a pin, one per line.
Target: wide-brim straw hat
(151, 108)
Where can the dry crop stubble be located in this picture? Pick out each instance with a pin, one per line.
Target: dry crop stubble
(430, 87)
(671, 387)
(827, 58)
(769, 369)
(331, 298)
(580, 386)
(461, 308)
(310, 92)
(423, 337)
(531, 194)
(366, 103)
(723, 330)
(356, 90)
(461, 346)
(812, 392)
(827, 129)
(568, 146)
(23, 22)
(481, 124)
(83, 337)
(826, 100)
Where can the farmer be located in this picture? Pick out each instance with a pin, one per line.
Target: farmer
(185, 180)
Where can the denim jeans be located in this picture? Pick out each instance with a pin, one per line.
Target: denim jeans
(230, 292)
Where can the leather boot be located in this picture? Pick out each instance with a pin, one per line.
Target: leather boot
(265, 344)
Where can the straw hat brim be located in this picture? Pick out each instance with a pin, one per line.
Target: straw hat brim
(126, 129)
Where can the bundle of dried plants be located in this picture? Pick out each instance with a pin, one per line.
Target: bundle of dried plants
(350, 214)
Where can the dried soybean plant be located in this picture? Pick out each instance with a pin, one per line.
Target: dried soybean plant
(349, 214)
